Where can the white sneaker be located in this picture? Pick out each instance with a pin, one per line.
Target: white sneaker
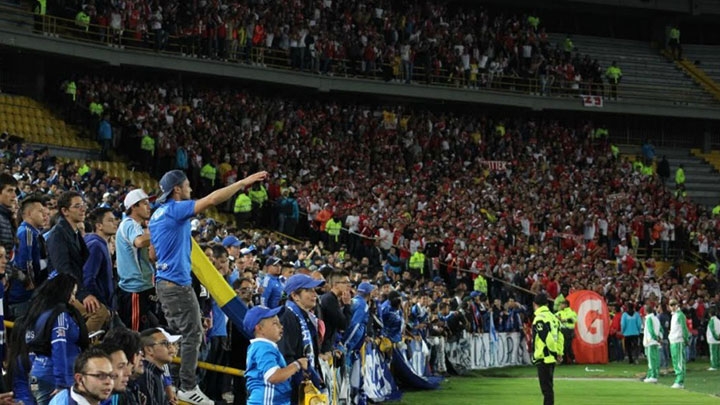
(194, 396)
(678, 386)
(712, 369)
(650, 380)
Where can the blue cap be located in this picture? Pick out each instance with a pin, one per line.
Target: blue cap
(438, 279)
(365, 288)
(257, 314)
(475, 294)
(168, 181)
(272, 261)
(299, 281)
(231, 241)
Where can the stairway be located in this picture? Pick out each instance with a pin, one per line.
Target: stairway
(646, 74)
(702, 179)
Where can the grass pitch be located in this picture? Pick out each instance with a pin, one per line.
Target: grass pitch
(615, 383)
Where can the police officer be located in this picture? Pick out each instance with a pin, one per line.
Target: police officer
(568, 319)
(548, 346)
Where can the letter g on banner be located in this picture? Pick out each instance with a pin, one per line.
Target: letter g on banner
(593, 326)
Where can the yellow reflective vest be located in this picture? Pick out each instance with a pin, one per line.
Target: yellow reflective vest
(680, 176)
(258, 196)
(547, 340)
(242, 204)
(148, 144)
(567, 318)
(480, 284)
(417, 262)
(209, 172)
(71, 89)
(332, 227)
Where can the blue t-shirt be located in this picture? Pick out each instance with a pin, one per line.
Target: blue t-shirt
(133, 264)
(170, 235)
(263, 359)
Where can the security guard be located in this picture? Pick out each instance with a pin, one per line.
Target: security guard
(613, 74)
(242, 210)
(548, 345)
(568, 319)
(417, 262)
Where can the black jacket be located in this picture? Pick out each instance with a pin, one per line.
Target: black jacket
(68, 253)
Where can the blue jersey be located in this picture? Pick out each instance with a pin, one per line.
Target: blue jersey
(27, 254)
(170, 235)
(393, 322)
(272, 292)
(58, 367)
(21, 383)
(219, 322)
(263, 359)
(356, 331)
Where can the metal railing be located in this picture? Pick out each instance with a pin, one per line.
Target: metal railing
(305, 60)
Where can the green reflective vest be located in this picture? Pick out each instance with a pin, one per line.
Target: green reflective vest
(82, 20)
(148, 144)
(601, 132)
(209, 172)
(71, 89)
(567, 318)
(242, 204)
(332, 227)
(96, 109)
(534, 21)
(40, 7)
(568, 45)
(615, 150)
(716, 210)
(675, 34)
(637, 166)
(613, 73)
(83, 170)
(647, 170)
(258, 196)
(548, 341)
(417, 262)
(480, 284)
(680, 176)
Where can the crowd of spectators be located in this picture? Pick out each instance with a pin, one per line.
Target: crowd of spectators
(423, 42)
(445, 215)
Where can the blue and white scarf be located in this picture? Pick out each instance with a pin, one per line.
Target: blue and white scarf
(307, 339)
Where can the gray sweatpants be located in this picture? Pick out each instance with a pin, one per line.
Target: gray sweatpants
(182, 312)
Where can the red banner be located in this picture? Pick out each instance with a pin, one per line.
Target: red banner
(593, 326)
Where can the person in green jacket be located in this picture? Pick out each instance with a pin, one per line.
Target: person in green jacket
(548, 344)
(679, 338)
(568, 319)
(416, 264)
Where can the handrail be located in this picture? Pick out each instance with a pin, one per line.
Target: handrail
(263, 57)
(201, 364)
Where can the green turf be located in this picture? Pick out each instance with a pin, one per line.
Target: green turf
(519, 386)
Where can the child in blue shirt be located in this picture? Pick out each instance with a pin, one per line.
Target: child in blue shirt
(267, 374)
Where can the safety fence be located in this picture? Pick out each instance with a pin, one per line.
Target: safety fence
(306, 60)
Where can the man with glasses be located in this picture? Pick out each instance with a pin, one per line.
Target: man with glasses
(335, 308)
(68, 253)
(94, 380)
(156, 348)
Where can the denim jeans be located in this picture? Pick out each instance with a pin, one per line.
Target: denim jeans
(182, 313)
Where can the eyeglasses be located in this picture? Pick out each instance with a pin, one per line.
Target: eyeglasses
(163, 343)
(246, 289)
(81, 206)
(103, 376)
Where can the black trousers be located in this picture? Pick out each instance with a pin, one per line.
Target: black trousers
(545, 376)
(631, 347)
(140, 311)
(569, 335)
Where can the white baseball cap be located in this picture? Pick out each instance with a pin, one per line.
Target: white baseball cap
(134, 197)
(169, 337)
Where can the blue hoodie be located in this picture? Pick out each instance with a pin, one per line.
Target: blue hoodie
(356, 331)
(98, 270)
(58, 367)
